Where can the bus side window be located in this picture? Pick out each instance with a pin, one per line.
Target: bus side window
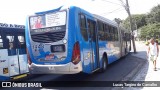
(83, 27)
(21, 44)
(116, 34)
(103, 32)
(1, 42)
(12, 45)
(98, 25)
(100, 30)
(91, 28)
(109, 33)
(7, 44)
(11, 39)
(106, 32)
(113, 34)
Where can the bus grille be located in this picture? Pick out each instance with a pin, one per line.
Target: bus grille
(48, 37)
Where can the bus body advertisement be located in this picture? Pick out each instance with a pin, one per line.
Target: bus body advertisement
(72, 40)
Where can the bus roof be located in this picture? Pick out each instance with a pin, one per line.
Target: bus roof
(113, 23)
(94, 15)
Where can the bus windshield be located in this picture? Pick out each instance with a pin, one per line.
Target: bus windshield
(48, 22)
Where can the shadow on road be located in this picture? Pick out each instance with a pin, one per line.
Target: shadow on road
(142, 73)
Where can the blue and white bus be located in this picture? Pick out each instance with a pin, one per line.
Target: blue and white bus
(69, 40)
(13, 57)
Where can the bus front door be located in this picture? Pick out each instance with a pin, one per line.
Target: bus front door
(22, 56)
(93, 44)
(17, 54)
(12, 54)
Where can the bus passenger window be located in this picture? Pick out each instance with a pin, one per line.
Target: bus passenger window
(1, 42)
(100, 30)
(91, 28)
(116, 34)
(103, 33)
(12, 45)
(113, 34)
(106, 32)
(21, 45)
(21, 39)
(109, 33)
(83, 28)
(107, 28)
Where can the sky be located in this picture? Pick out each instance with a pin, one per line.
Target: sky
(16, 11)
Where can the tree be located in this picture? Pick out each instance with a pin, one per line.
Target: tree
(138, 19)
(147, 24)
(154, 15)
(150, 30)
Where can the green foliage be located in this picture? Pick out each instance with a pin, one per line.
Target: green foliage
(154, 15)
(139, 20)
(150, 30)
(147, 24)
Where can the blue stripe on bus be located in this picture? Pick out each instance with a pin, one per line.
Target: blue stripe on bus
(4, 78)
(28, 42)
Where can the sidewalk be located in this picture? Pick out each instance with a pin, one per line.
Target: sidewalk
(146, 73)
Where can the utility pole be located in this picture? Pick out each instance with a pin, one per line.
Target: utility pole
(126, 6)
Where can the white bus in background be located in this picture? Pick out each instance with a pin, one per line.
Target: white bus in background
(13, 57)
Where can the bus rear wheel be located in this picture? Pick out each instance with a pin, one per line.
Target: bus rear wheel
(104, 64)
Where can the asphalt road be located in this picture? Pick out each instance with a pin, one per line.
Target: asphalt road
(122, 70)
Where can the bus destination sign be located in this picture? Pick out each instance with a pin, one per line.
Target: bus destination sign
(4, 25)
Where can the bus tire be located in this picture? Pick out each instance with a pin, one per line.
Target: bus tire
(104, 64)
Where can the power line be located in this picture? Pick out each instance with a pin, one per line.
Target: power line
(119, 9)
(112, 2)
(122, 5)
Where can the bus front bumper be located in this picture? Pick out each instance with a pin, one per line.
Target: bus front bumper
(68, 68)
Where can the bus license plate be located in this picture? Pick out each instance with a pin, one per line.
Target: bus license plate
(57, 48)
